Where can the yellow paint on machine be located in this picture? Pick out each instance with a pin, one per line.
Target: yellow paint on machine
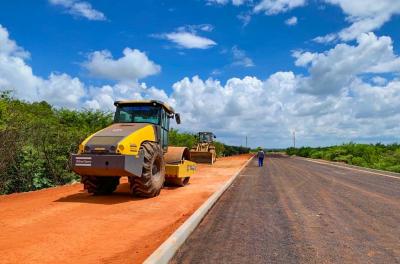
(83, 144)
(182, 170)
(130, 145)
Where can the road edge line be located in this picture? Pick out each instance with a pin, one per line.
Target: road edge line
(360, 169)
(166, 251)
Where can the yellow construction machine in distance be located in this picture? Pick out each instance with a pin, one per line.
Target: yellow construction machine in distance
(204, 150)
(135, 146)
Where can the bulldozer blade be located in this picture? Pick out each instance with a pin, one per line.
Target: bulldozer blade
(202, 157)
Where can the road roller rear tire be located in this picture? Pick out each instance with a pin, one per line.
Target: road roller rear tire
(100, 185)
(153, 173)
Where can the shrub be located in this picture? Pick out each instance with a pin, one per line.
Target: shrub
(358, 161)
(378, 156)
(394, 168)
(344, 158)
(317, 154)
(37, 140)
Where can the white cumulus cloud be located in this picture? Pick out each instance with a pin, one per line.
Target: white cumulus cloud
(291, 21)
(378, 80)
(132, 66)
(62, 90)
(343, 96)
(273, 7)
(79, 9)
(330, 71)
(9, 47)
(187, 36)
(240, 58)
(189, 40)
(103, 97)
(245, 18)
(364, 16)
(268, 110)
(224, 2)
(17, 76)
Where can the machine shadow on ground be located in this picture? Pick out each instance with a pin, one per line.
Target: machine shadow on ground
(121, 195)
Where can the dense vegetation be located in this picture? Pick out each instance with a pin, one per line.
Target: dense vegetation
(376, 156)
(36, 140)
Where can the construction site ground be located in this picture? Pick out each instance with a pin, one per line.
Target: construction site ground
(67, 225)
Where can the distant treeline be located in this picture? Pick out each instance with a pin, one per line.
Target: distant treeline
(36, 140)
(376, 156)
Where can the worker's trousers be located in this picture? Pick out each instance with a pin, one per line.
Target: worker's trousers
(260, 162)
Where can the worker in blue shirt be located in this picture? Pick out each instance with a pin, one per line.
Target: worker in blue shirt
(260, 156)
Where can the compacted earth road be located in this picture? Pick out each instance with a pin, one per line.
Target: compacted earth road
(67, 225)
(297, 211)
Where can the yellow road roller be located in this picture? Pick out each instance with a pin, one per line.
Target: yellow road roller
(135, 146)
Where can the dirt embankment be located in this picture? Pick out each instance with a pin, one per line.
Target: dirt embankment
(67, 225)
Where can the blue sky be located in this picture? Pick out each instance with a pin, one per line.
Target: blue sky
(58, 41)
(263, 68)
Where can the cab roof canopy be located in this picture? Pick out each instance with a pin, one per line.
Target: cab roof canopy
(168, 108)
(203, 132)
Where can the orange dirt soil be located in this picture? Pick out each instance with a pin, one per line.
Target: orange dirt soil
(67, 225)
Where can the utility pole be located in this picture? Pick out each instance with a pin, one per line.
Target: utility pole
(246, 141)
(294, 138)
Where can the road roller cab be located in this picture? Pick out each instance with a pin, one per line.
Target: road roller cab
(136, 146)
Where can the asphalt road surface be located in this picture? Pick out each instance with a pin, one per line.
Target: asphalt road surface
(297, 211)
